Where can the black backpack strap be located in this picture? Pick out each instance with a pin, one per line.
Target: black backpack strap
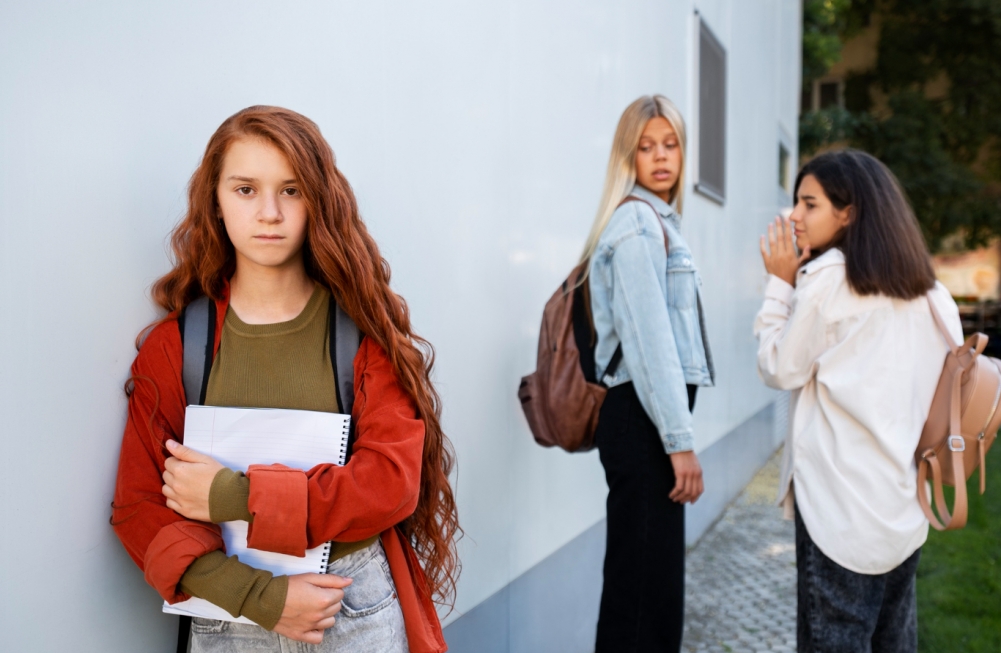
(583, 325)
(345, 338)
(616, 359)
(344, 342)
(183, 633)
(197, 325)
(583, 330)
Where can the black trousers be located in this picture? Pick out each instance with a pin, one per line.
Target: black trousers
(643, 597)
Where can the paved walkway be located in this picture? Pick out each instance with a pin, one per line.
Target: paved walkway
(740, 589)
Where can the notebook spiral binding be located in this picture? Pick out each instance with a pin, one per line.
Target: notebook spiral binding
(325, 558)
(344, 442)
(343, 454)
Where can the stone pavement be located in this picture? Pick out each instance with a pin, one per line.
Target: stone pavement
(740, 585)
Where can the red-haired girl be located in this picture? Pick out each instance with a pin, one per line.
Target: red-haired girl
(271, 234)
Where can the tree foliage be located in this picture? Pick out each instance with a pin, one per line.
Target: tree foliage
(930, 108)
(826, 24)
(823, 24)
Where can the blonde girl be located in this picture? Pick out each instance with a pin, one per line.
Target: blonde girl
(652, 352)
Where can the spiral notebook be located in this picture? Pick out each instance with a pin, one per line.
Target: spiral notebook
(241, 437)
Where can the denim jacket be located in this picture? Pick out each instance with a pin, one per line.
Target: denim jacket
(650, 301)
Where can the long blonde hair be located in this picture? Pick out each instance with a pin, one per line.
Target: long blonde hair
(621, 175)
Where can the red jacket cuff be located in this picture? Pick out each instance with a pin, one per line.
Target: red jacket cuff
(278, 499)
(173, 550)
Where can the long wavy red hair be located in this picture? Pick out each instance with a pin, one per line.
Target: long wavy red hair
(340, 254)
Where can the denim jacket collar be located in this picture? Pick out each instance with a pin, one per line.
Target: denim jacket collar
(663, 208)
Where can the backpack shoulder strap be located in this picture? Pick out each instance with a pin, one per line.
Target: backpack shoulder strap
(345, 338)
(667, 239)
(616, 359)
(940, 323)
(197, 325)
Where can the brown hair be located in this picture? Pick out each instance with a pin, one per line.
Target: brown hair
(883, 247)
(340, 254)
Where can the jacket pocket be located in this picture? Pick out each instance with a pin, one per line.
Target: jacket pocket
(681, 281)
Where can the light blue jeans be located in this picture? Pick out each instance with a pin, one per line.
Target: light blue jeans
(370, 618)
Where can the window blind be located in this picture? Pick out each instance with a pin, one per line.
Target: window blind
(712, 115)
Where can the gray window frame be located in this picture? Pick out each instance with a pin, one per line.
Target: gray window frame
(712, 77)
(785, 163)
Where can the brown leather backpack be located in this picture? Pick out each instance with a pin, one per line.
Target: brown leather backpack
(562, 398)
(961, 426)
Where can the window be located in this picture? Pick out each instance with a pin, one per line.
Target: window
(712, 116)
(783, 167)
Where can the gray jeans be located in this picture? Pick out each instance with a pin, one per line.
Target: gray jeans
(370, 618)
(840, 611)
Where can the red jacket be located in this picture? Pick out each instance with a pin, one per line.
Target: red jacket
(293, 510)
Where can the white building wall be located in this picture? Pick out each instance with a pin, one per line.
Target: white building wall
(476, 136)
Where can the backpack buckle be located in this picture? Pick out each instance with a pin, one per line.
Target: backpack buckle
(957, 443)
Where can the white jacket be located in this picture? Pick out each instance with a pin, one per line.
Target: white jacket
(862, 371)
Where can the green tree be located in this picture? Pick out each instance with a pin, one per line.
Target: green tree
(824, 23)
(939, 128)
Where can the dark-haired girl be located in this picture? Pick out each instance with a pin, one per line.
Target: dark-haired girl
(846, 326)
(273, 233)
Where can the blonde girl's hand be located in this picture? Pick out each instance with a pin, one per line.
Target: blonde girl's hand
(310, 605)
(688, 484)
(780, 256)
(187, 480)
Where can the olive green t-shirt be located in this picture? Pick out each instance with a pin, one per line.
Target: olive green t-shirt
(283, 365)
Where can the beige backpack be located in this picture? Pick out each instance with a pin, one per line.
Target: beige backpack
(961, 426)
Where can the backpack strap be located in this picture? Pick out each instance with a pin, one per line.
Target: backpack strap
(667, 239)
(197, 325)
(183, 633)
(613, 364)
(344, 342)
(956, 446)
(967, 353)
(940, 323)
(345, 339)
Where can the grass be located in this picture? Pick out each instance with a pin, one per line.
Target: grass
(959, 577)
